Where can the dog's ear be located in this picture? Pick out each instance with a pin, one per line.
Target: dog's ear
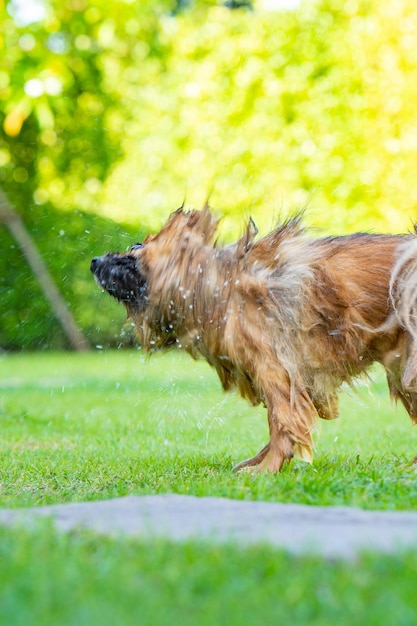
(183, 229)
(203, 222)
(148, 238)
(246, 241)
(266, 249)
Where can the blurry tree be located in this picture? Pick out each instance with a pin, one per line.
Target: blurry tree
(124, 107)
(238, 4)
(61, 120)
(60, 113)
(275, 110)
(13, 221)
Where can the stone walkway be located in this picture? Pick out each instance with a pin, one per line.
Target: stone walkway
(329, 531)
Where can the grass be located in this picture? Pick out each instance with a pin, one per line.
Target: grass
(98, 425)
(48, 579)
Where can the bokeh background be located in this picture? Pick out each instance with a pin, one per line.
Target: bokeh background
(113, 112)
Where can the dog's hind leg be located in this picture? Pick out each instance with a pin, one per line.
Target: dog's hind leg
(407, 398)
(327, 407)
(401, 376)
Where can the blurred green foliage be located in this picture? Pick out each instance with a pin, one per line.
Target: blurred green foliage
(67, 241)
(122, 109)
(274, 111)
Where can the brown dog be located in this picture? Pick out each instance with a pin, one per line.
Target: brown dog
(285, 319)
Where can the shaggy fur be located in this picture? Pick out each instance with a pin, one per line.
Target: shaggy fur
(284, 319)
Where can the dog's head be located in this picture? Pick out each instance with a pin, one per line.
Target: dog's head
(129, 276)
(122, 277)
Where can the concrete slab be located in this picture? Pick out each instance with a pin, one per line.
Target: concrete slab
(328, 531)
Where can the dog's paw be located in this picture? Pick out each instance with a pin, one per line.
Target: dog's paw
(269, 461)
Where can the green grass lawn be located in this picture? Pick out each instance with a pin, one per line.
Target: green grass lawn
(99, 425)
(91, 426)
(47, 579)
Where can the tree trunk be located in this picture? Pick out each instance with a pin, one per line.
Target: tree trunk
(28, 247)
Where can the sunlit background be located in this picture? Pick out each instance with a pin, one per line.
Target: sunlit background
(112, 112)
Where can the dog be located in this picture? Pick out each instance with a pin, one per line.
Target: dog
(285, 319)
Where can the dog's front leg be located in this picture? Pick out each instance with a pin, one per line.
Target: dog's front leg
(281, 443)
(273, 456)
(291, 416)
(282, 421)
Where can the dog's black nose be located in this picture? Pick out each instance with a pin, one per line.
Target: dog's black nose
(94, 263)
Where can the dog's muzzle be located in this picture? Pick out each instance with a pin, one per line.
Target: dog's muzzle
(119, 275)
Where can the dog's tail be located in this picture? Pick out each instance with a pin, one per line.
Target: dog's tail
(403, 295)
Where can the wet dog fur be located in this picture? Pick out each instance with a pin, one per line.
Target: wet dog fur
(284, 319)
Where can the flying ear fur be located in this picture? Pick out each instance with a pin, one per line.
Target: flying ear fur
(246, 241)
(203, 222)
